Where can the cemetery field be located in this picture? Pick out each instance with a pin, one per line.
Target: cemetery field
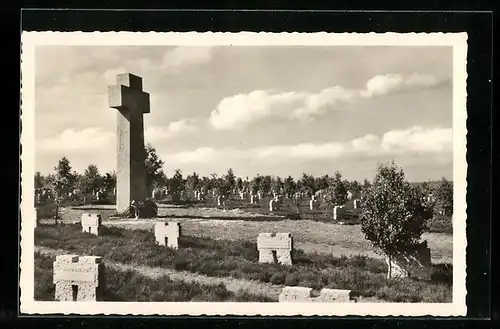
(223, 269)
(311, 235)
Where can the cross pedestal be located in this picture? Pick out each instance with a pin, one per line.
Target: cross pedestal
(131, 102)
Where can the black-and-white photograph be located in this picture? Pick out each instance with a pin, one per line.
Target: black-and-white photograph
(323, 174)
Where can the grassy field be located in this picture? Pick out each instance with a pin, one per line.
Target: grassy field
(238, 259)
(246, 223)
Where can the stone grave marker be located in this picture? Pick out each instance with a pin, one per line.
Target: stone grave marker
(78, 278)
(336, 212)
(275, 248)
(313, 204)
(91, 223)
(304, 294)
(167, 234)
(356, 203)
(273, 205)
(132, 103)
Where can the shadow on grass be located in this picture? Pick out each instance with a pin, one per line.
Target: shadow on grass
(255, 219)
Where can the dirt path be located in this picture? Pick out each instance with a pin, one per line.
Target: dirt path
(231, 284)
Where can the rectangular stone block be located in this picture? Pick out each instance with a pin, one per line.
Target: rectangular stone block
(275, 248)
(304, 294)
(334, 296)
(274, 241)
(170, 232)
(78, 278)
(295, 294)
(91, 223)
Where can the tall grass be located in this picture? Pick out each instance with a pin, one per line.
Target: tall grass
(239, 259)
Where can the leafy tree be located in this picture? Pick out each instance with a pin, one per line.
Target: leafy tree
(322, 182)
(289, 185)
(39, 180)
(239, 183)
(426, 188)
(192, 182)
(337, 190)
(355, 188)
(277, 184)
(154, 172)
(205, 183)
(255, 184)
(230, 180)
(91, 180)
(64, 179)
(177, 185)
(444, 197)
(265, 184)
(394, 216)
(309, 183)
(109, 181)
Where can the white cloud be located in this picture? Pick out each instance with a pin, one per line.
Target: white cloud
(238, 111)
(391, 83)
(242, 109)
(418, 139)
(71, 140)
(413, 141)
(154, 134)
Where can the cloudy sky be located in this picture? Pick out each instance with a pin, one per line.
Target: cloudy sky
(268, 110)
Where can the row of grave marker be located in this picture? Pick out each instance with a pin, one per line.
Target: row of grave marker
(82, 279)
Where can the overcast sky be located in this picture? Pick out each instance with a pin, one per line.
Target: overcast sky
(268, 110)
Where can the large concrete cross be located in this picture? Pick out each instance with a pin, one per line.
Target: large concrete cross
(131, 102)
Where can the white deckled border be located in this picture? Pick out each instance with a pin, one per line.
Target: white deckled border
(457, 40)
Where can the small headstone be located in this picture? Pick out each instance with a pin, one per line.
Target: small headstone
(334, 296)
(304, 294)
(273, 205)
(91, 223)
(313, 204)
(356, 203)
(295, 294)
(78, 278)
(275, 248)
(336, 212)
(252, 199)
(167, 234)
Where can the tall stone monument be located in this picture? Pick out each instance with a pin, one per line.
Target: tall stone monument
(131, 102)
